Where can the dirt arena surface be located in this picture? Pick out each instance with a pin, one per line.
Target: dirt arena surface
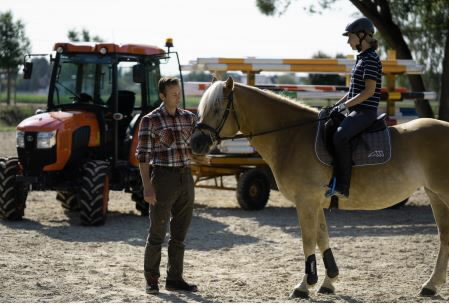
(233, 255)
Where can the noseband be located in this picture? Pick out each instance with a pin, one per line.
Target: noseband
(215, 132)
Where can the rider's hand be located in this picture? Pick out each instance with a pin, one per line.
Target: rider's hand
(149, 195)
(336, 110)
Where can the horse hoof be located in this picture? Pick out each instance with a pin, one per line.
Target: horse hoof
(325, 290)
(427, 292)
(299, 294)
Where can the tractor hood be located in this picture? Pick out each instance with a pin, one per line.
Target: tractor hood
(50, 121)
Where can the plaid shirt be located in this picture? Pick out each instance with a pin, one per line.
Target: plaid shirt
(164, 140)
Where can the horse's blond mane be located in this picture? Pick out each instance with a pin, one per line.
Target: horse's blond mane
(214, 95)
(211, 98)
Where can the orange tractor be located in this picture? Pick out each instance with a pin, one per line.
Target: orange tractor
(82, 146)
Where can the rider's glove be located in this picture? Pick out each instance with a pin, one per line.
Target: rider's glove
(337, 109)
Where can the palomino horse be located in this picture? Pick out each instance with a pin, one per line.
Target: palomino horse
(420, 151)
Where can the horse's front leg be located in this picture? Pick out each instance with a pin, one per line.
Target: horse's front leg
(308, 220)
(327, 286)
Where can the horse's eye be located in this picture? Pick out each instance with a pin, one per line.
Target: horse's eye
(215, 111)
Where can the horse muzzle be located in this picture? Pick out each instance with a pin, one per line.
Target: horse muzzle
(200, 143)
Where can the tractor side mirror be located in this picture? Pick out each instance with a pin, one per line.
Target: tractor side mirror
(27, 70)
(139, 73)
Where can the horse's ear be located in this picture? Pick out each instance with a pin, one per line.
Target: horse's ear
(214, 79)
(229, 84)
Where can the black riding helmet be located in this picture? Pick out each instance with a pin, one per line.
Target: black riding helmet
(362, 25)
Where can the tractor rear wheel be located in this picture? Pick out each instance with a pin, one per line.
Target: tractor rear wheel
(94, 192)
(12, 194)
(69, 200)
(253, 189)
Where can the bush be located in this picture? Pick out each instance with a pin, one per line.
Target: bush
(13, 115)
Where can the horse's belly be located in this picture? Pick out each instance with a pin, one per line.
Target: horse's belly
(375, 199)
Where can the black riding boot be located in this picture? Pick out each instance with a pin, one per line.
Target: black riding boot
(343, 165)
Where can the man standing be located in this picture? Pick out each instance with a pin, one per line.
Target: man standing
(163, 152)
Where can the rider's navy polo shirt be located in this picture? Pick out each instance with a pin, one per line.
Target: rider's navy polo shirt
(367, 66)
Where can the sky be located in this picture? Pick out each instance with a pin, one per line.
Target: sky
(199, 28)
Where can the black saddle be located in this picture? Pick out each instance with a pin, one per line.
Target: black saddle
(372, 146)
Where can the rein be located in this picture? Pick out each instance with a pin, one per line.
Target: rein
(230, 108)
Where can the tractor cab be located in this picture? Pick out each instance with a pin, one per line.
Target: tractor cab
(82, 145)
(117, 83)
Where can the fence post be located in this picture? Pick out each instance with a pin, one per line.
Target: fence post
(391, 86)
(250, 78)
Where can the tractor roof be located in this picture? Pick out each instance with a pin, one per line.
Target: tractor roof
(92, 47)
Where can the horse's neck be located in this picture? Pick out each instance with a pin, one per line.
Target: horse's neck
(259, 112)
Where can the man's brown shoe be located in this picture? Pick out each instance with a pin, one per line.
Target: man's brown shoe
(180, 285)
(152, 288)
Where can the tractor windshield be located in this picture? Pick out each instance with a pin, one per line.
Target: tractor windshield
(89, 78)
(83, 78)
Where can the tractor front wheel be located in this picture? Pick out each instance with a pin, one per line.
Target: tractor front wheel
(94, 192)
(12, 194)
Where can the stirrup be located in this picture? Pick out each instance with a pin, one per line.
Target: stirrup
(331, 188)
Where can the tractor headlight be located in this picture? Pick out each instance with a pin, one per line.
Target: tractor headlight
(46, 139)
(20, 138)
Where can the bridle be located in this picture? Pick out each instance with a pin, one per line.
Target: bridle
(215, 132)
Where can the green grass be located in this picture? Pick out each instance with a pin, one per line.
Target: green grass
(31, 99)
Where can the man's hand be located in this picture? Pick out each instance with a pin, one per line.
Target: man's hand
(149, 195)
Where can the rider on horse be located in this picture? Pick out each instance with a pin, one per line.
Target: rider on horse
(361, 102)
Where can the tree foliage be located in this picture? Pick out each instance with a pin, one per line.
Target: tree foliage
(14, 45)
(326, 79)
(83, 35)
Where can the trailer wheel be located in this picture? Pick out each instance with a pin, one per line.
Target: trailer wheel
(12, 194)
(94, 193)
(253, 189)
(141, 205)
(69, 200)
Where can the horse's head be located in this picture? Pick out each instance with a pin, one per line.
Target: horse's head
(217, 116)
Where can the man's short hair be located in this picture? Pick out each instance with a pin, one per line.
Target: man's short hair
(165, 82)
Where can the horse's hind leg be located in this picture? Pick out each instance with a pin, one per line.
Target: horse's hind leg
(440, 208)
(327, 286)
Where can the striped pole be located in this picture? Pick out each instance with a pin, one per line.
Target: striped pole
(320, 91)
(326, 66)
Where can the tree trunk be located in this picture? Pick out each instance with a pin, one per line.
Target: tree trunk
(444, 91)
(395, 39)
(8, 86)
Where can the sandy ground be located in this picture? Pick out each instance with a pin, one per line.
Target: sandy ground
(233, 255)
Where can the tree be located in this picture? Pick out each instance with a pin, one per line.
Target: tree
(326, 79)
(14, 45)
(83, 35)
(398, 22)
(286, 78)
(429, 36)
